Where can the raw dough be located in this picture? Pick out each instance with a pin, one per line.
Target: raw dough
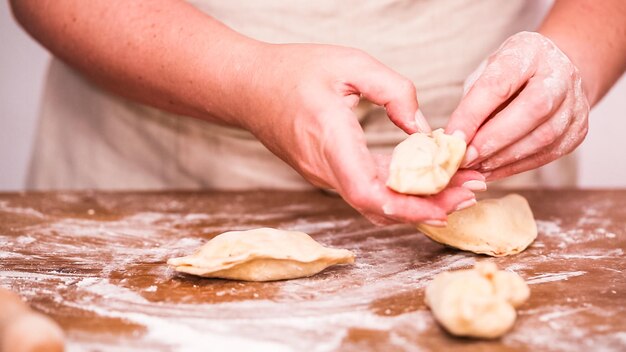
(496, 227)
(478, 302)
(263, 254)
(32, 332)
(423, 164)
(24, 330)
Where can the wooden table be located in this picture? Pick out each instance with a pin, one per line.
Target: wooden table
(95, 262)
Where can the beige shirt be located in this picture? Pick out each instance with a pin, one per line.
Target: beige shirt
(90, 138)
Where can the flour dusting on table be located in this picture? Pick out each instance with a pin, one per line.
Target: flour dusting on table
(113, 267)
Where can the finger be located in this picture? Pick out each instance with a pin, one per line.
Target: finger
(379, 220)
(529, 109)
(396, 93)
(473, 77)
(562, 147)
(402, 207)
(470, 179)
(352, 99)
(454, 198)
(379, 200)
(410, 209)
(529, 163)
(500, 80)
(422, 123)
(540, 138)
(382, 162)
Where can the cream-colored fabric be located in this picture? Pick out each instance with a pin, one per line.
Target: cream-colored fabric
(89, 138)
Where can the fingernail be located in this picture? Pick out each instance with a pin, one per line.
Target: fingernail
(421, 122)
(470, 155)
(466, 204)
(458, 134)
(412, 126)
(437, 223)
(475, 185)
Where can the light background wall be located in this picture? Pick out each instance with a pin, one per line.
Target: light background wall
(23, 64)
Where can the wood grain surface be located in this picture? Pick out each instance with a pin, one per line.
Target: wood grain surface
(95, 262)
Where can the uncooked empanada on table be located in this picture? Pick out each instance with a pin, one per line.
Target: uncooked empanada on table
(478, 302)
(263, 254)
(496, 227)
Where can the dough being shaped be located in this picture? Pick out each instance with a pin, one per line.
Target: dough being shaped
(423, 164)
(478, 302)
(495, 227)
(263, 254)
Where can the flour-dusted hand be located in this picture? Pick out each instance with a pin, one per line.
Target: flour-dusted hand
(523, 108)
(299, 104)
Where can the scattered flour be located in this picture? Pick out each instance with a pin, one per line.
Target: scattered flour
(549, 277)
(5, 207)
(313, 314)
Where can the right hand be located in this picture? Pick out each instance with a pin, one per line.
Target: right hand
(299, 102)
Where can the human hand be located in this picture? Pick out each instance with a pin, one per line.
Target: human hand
(523, 108)
(299, 104)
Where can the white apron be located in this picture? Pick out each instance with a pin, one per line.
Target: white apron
(90, 138)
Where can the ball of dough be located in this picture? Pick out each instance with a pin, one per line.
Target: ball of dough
(32, 332)
(263, 254)
(479, 302)
(11, 305)
(423, 164)
(496, 227)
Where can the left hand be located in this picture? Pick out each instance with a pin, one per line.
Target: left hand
(524, 108)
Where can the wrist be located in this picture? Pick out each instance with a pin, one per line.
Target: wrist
(226, 73)
(589, 73)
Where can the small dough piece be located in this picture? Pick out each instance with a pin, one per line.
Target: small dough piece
(24, 330)
(32, 332)
(478, 302)
(263, 254)
(496, 227)
(423, 164)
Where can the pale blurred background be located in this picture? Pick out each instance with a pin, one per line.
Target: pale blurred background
(23, 65)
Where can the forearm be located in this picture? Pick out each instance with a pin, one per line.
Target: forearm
(593, 35)
(164, 53)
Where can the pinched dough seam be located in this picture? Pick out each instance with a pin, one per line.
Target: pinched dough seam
(236, 261)
(475, 249)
